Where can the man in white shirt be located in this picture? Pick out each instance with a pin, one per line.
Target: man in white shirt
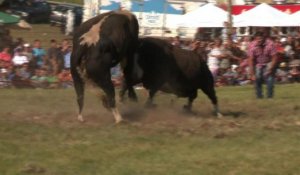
(19, 59)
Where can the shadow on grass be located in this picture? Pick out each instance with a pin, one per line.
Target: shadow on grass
(234, 114)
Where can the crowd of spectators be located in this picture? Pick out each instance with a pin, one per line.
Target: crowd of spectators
(228, 61)
(30, 65)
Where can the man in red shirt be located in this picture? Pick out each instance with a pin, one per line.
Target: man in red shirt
(5, 57)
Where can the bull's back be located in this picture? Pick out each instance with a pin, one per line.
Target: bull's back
(112, 25)
(181, 71)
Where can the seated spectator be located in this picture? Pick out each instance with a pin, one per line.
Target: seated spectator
(5, 57)
(243, 76)
(18, 58)
(295, 74)
(65, 78)
(231, 75)
(282, 73)
(4, 78)
(53, 81)
(39, 79)
(24, 69)
(19, 81)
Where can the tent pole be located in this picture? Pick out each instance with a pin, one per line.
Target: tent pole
(229, 10)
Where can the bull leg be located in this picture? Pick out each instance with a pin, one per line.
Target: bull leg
(131, 93)
(99, 73)
(127, 83)
(123, 91)
(210, 92)
(188, 106)
(79, 88)
(108, 98)
(149, 102)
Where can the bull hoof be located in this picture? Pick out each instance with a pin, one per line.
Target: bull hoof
(218, 115)
(189, 112)
(122, 121)
(187, 108)
(80, 118)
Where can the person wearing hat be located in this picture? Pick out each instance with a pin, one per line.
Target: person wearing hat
(262, 57)
(282, 73)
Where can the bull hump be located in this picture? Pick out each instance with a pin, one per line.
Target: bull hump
(92, 36)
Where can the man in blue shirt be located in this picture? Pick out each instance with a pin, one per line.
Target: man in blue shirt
(39, 54)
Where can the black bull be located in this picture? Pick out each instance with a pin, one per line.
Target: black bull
(99, 44)
(161, 66)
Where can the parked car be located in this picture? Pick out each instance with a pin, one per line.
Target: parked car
(59, 14)
(29, 10)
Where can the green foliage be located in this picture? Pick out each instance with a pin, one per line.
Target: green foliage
(39, 134)
(70, 1)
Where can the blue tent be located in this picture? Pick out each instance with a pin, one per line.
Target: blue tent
(157, 6)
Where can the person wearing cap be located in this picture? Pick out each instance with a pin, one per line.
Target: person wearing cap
(262, 57)
(19, 58)
(282, 73)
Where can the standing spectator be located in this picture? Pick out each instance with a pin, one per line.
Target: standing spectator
(5, 57)
(214, 57)
(262, 57)
(67, 58)
(245, 41)
(64, 54)
(199, 47)
(176, 41)
(18, 44)
(39, 54)
(27, 51)
(225, 32)
(53, 56)
(200, 35)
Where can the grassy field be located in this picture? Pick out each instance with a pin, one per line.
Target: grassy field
(43, 32)
(39, 134)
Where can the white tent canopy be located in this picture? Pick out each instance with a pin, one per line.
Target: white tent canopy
(296, 18)
(205, 16)
(263, 15)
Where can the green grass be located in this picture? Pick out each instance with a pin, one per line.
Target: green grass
(43, 32)
(39, 134)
